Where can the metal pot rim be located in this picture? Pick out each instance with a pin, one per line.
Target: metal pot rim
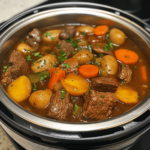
(63, 126)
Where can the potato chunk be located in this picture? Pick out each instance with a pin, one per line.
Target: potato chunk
(83, 56)
(41, 98)
(44, 63)
(20, 89)
(74, 84)
(126, 95)
(51, 35)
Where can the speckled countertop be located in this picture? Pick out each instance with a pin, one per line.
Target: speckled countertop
(9, 8)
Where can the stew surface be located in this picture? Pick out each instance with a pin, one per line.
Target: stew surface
(76, 73)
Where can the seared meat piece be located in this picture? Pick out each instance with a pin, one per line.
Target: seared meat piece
(36, 35)
(104, 84)
(67, 32)
(34, 38)
(69, 65)
(65, 47)
(98, 105)
(99, 48)
(17, 66)
(125, 73)
(32, 43)
(60, 108)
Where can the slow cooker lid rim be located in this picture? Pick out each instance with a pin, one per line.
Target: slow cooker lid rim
(60, 4)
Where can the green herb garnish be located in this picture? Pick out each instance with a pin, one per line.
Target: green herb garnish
(102, 96)
(77, 66)
(89, 48)
(76, 107)
(63, 92)
(34, 87)
(89, 90)
(101, 55)
(5, 67)
(83, 33)
(28, 58)
(44, 61)
(66, 65)
(106, 47)
(96, 63)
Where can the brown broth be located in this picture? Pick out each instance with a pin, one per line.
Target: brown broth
(136, 82)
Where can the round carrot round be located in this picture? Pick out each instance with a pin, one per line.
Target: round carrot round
(88, 71)
(100, 30)
(126, 56)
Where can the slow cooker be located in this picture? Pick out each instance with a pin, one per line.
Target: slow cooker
(35, 133)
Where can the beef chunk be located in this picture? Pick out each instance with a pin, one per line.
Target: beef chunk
(99, 48)
(67, 32)
(36, 35)
(98, 105)
(65, 47)
(17, 66)
(32, 43)
(69, 65)
(125, 73)
(104, 84)
(60, 108)
(34, 38)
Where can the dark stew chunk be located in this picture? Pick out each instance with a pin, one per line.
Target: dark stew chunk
(60, 108)
(98, 105)
(34, 38)
(65, 47)
(17, 66)
(104, 84)
(67, 32)
(125, 73)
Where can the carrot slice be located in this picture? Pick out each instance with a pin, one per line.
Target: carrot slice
(56, 75)
(143, 73)
(126, 56)
(88, 71)
(100, 30)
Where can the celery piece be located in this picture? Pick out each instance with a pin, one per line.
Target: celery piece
(42, 74)
(77, 111)
(33, 78)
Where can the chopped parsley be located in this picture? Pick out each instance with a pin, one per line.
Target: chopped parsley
(101, 55)
(5, 67)
(28, 58)
(89, 90)
(89, 48)
(102, 96)
(96, 63)
(97, 46)
(44, 61)
(124, 65)
(73, 43)
(79, 48)
(76, 107)
(135, 67)
(99, 103)
(77, 66)
(18, 66)
(63, 92)
(138, 96)
(110, 45)
(58, 46)
(124, 82)
(22, 41)
(107, 35)
(62, 57)
(74, 52)
(34, 87)
(83, 33)
(49, 34)
(36, 54)
(71, 97)
(106, 47)
(66, 65)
